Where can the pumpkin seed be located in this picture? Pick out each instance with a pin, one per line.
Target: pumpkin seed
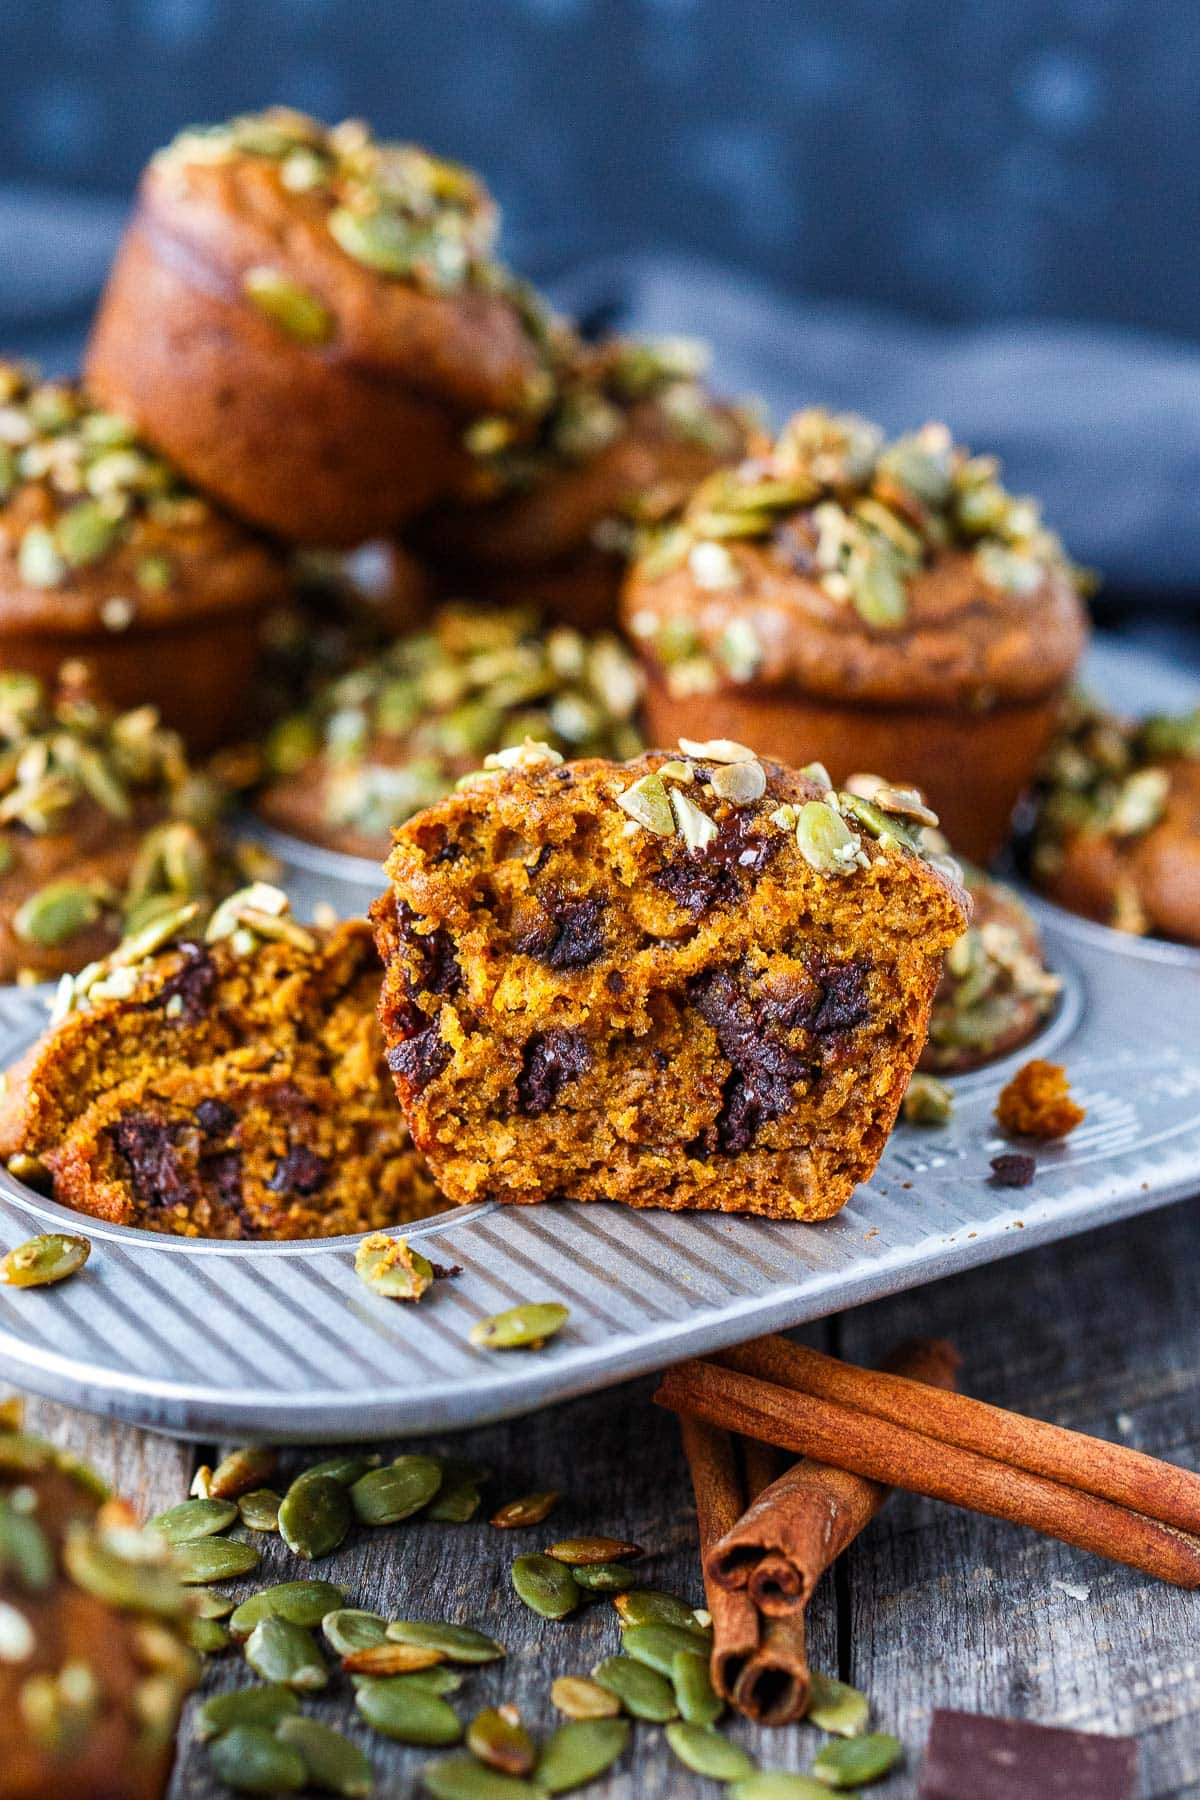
(457, 1500)
(389, 1267)
(193, 1519)
(86, 532)
(440, 1679)
(17, 1638)
(279, 1651)
(45, 1259)
(824, 839)
(641, 1691)
(252, 1760)
(579, 1751)
(209, 1636)
(349, 1628)
(657, 1645)
(604, 1578)
(213, 1559)
(462, 1778)
(835, 1706)
(584, 1551)
(242, 1470)
(381, 240)
(581, 1698)
(259, 1509)
(856, 1761)
(698, 1700)
(401, 1488)
(56, 912)
(647, 1606)
(207, 1603)
(332, 1763)
(703, 1750)
(529, 1509)
(778, 1784)
(245, 1706)
(129, 1586)
(497, 1737)
(301, 1602)
(521, 1327)
(26, 1554)
(346, 1468)
(405, 1711)
(299, 314)
(648, 803)
(546, 1586)
(391, 1659)
(314, 1516)
(459, 1643)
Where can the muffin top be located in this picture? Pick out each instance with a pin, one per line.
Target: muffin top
(893, 573)
(395, 734)
(99, 533)
(373, 250)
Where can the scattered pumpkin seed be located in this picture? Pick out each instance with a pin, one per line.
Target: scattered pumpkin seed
(778, 1784)
(314, 1516)
(579, 1751)
(141, 1587)
(245, 1706)
(331, 1762)
(588, 1550)
(581, 1698)
(460, 1643)
(207, 1603)
(546, 1586)
(279, 1651)
(440, 1679)
(497, 1737)
(56, 913)
(529, 1509)
(401, 1709)
(604, 1578)
(401, 1488)
(856, 1761)
(193, 1519)
(391, 1659)
(259, 1509)
(301, 1602)
(41, 1260)
(458, 1498)
(647, 1606)
(702, 1749)
(349, 1628)
(299, 314)
(209, 1636)
(643, 1692)
(242, 1470)
(837, 1707)
(388, 1266)
(656, 1645)
(213, 1559)
(699, 1702)
(462, 1778)
(521, 1327)
(346, 1468)
(252, 1760)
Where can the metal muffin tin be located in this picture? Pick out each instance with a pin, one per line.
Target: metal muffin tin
(282, 1341)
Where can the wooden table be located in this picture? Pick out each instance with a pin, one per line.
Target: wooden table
(933, 1607)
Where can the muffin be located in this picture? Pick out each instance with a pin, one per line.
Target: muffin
(106, 553)
(395, 734)
(1116, 833)
(97, 1660)
(878, 606)
(104, 827)
(225, 1083)
(996, 991)
(549, 515)
(689, 981)
(306, 319)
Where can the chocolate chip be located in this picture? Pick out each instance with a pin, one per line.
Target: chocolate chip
(448, 851)
(763, 1069)
(222, 1174)
(216, 1118)
(1014, 1169)
(445, 1271)
(551, 1059)
(539, 862)
(614, 981)
(300, 1171)
(844, 1003)
(701, 879)
(428, 960)
(192, 985)
(419, 1058)
(568, 933)
(156, 1173)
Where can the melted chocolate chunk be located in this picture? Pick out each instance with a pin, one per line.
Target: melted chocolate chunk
(192, 985)
(1014, 1169)
(763, 1070)
(551, 1059)
(156, 1173)
(216, 1118)
(701, 879)
(539, 862)
(568, 934)
(301, 1171)
(222, 1174)
(430, 965)
(834, 999)
(419, 1058)
(448, 851)
(614, 981)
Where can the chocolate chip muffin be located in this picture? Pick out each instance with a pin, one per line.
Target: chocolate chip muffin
(395, 734)
(1116, 834)
(879, 606)
(549, 515)
(107, 554)
(104, 827)
(996, 991)
(97, 1660)
(691, 981)
(306, 319)
(225, 1084)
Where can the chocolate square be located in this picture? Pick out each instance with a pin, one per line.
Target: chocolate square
(971, 1757)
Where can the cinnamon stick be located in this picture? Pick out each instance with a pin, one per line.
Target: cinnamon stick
(1159, 1490)
(773, 1686)
(718, 1490)
(874, 1447)
(782, 1545)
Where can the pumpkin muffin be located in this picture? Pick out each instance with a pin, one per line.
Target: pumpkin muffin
(549, 515)
(879, 606)
(103, 826)
(394, 735)
(229, 1084)
(107, 554)
(97, 1660)
(996, 991)
(307, 318)
(697, 980)
(1116, 834)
